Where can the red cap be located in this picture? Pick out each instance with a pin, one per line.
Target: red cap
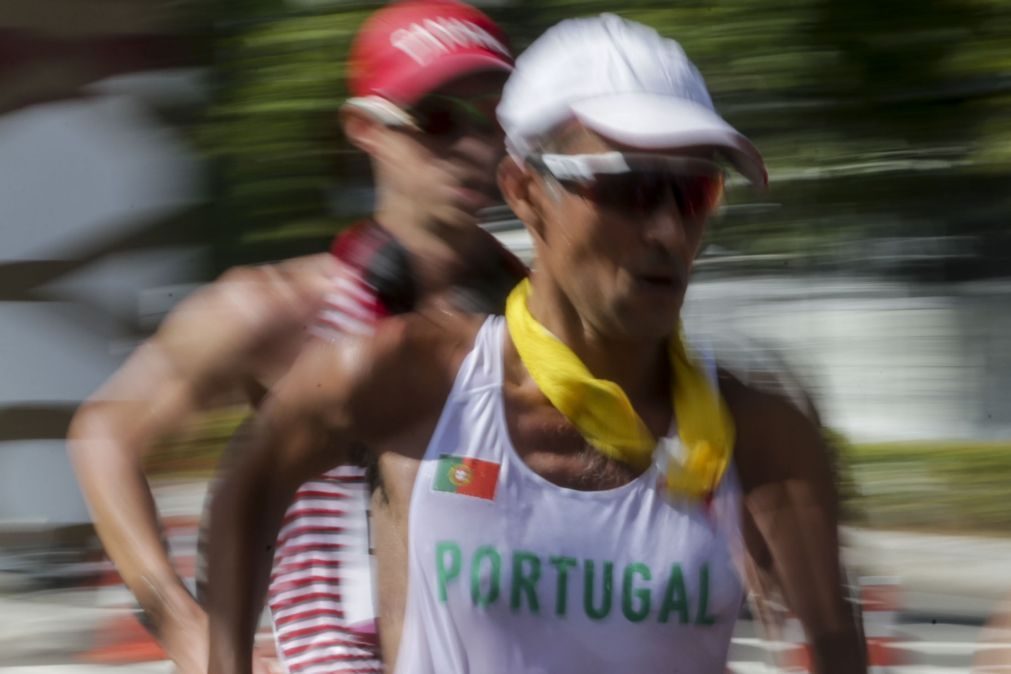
(410, 48)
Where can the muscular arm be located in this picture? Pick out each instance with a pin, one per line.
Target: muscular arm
(790, 496)
(288, 442)
(205, 347)
(370, 391)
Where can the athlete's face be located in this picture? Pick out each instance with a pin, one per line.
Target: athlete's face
(620, 247)
(444, 169)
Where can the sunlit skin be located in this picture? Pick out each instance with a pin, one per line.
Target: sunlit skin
(431, 187)
(243, 332)
(624, 275)
(593, 287)
(616, 282)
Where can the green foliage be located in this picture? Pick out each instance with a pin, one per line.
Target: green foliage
(272, 133)
(957, 487)
(869, 98)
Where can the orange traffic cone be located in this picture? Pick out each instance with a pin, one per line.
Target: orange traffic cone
(795, 655)
(880, 599)
(123, 640)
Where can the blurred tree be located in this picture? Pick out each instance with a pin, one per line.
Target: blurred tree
(893, 66)
(857, 104)
(272, 134)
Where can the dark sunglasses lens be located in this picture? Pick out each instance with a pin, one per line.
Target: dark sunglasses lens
(634, 193)
(696, 195)
(438, 120)
(643, 192)
(443, 117)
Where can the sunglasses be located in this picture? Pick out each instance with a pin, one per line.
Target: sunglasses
(437, 115)
(449, 116)
(638, 184)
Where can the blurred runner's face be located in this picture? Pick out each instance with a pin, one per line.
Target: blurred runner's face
(445, 165)
(621, 246)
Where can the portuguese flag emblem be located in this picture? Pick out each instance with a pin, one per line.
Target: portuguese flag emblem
(463, 475)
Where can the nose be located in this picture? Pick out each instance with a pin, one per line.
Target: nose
(665, 228)
(482, 150)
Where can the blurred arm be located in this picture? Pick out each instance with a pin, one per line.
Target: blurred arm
(372, 391)
(790, 496)
(148, 399)
(205, 347)
(293, 438)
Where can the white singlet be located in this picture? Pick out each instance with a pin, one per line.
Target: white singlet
(509, 573)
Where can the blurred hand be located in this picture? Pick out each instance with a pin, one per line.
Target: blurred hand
(262, 666)
(186, 641)
(187, 644)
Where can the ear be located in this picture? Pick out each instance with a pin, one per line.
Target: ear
(361, 129)
(524, 196)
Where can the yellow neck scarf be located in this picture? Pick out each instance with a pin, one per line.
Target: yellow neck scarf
(604, 416)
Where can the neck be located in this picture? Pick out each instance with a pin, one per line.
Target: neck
(640, 366)
(441, 254)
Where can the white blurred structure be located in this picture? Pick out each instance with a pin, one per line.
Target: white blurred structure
(77, 175)
(885, 360)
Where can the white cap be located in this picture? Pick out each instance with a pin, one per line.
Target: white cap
(622, 80)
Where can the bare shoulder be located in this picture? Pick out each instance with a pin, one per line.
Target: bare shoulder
(370, 387)
(247, 294)
(310, 273)
(410, 369)
(230, 323)
(777, 438)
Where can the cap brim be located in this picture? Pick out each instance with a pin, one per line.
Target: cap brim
(657, 122)
(410, 87)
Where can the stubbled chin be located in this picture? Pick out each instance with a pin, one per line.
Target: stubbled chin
(642, 317)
